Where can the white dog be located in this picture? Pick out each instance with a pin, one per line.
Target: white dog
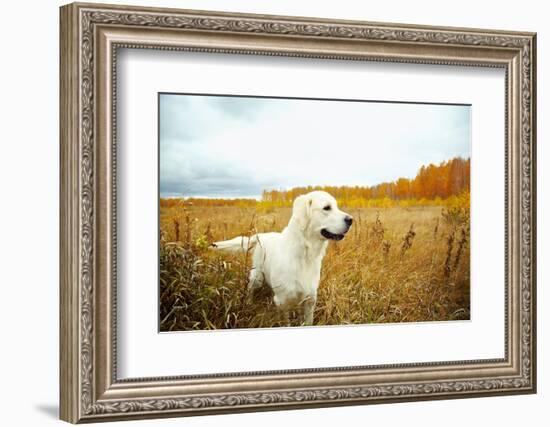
(290, 261)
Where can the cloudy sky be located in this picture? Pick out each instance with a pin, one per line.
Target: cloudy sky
(213, 146)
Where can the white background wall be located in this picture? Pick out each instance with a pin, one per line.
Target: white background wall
(29, 170)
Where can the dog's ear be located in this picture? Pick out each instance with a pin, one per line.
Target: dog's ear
(301, 210)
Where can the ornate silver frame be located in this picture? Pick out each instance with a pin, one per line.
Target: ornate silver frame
(90, 36)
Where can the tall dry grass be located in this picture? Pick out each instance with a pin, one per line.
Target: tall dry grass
(395, 265)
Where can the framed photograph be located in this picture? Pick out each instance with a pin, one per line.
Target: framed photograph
(267, 212)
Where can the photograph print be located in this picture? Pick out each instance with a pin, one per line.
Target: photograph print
(278, 212)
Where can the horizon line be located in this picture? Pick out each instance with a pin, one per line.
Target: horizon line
(260, 196)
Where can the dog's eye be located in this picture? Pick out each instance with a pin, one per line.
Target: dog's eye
(327, 208)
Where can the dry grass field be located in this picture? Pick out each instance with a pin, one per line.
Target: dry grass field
(397, 264)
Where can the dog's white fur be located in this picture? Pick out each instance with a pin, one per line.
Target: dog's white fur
(290, 261)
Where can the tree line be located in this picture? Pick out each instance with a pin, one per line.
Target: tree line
(441, 181)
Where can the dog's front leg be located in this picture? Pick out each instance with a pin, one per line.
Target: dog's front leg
(309, 309)
(281, 302)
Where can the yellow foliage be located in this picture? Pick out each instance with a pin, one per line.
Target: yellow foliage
(462, 201)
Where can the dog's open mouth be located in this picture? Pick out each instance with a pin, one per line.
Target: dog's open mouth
(328, 235)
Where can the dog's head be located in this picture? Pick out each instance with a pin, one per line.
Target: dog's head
(317, 214)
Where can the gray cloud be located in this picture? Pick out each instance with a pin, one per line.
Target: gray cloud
(212, 180)
(240, 108)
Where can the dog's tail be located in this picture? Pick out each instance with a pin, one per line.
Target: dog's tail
(238, 244)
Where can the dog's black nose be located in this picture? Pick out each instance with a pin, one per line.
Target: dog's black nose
(348, 220)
